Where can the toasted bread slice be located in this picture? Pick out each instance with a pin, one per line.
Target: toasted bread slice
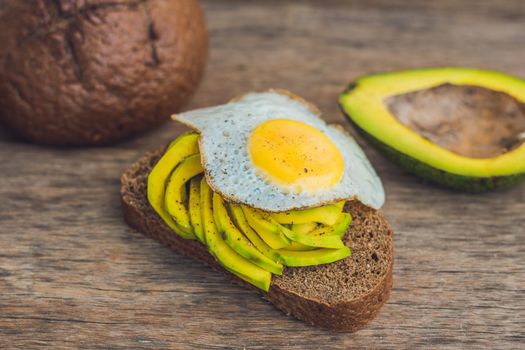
(341, 296)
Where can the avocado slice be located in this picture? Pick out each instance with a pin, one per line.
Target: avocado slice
(340, 204)
(296, 246)
(302, 255)
(235, 239)
(339, 229)
(305, 239)
(226, 256)
(268, 231)
(312, 257)
(459, 127)
(312, 229)
(194, 207)
(341, 226)
(318, 241)
(176, 191)
(304, 228)
(326, 214)
(181, 148)
(242, 224)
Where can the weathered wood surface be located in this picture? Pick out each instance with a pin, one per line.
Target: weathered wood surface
(73, 275)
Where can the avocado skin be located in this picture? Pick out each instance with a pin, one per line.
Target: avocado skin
(440, 177)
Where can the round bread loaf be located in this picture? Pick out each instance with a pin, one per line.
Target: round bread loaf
(88, 72)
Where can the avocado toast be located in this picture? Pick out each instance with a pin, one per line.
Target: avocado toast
(336, 277)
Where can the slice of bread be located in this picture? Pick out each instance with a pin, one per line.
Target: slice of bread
(341, 296)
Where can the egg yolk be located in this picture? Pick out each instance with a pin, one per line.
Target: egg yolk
(295, 155)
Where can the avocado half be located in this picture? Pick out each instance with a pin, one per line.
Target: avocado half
(460, 127)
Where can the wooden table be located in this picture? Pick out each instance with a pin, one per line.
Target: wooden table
(73, 275)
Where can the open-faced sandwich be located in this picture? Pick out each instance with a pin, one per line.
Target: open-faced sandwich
(265, 191)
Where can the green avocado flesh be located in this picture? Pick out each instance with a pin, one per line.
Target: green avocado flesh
(248, 242)
(458, 127)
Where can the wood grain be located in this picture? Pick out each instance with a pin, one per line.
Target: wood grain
(73, 275)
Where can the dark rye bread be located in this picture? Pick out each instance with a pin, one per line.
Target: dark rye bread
(341, 296)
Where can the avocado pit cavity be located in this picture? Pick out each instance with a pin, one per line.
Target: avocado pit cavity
(468, 120)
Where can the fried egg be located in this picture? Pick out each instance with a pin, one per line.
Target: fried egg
(272, 151)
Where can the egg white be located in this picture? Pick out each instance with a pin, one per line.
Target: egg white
(224, 133)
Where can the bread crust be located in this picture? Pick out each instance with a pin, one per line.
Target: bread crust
(346, 315)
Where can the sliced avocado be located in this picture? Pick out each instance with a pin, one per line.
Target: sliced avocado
(241, 223)
(232, 261)
(339, 229)
(296, 246)
(183, 147)
(304, 228)
(204, 187)
(459, 127)
(341, 226)
(312, 257)
(328, 241)
(327, 214)
(268, 231)
(176, 191)
(325, 241)
(235, 239)
(340, 204)
(194, 207)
